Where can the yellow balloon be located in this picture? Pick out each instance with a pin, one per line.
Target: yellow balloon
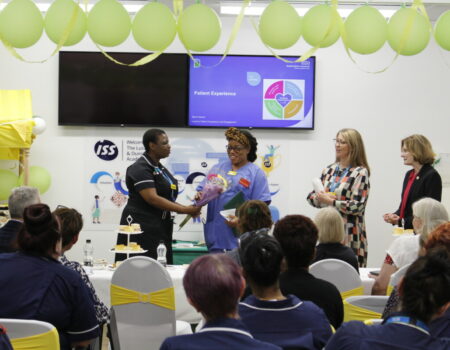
(21, 23)
(199, 27)
(442, 30)
(321, 26)
(8, 180)
(109, 24)
(58, 20)
(38, 177)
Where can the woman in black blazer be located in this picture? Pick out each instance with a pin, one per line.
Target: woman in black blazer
(421, 181)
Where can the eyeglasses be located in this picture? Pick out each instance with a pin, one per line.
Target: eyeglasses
(59, 206)
(234, 148)
(340, 142)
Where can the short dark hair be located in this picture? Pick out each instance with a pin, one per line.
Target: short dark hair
(40, 231)
(425, 287)
(254, 215)
(151, 135)
(261, 257)
(213, 283)
(71, 223)
(297, 235)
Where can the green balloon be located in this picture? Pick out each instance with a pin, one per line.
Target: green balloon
(108, 23)
(8, 180)
(38, 177)
(280, 25)
(58, 19)
(404, 42)
(154, 27)
(366, 30)
(321, 26)
(442, 30)
(21, 23)
(199, 27)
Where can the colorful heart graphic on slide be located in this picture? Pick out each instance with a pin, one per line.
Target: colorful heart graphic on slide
(284, 99)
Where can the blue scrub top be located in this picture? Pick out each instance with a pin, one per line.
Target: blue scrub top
(392, 336)
(39, 288)
(289, 323)
(222, 334)
(251, 181)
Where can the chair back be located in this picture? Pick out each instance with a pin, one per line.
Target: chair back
(142, 305)
(396, 277)
(31, 334)
(364, 307)
(341, 274)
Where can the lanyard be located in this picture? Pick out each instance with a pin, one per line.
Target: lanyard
(158, 171)
(411, 322)
(336, 180)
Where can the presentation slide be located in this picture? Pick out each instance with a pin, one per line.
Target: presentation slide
(251, 91)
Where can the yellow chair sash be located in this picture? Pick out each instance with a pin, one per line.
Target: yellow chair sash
(356, 313)
(389, 290)
(44, 341)
(352, 292)
(164, 297)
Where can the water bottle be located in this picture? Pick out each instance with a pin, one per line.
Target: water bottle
(161, 250)
(88, 257)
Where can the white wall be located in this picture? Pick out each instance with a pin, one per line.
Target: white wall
(412, 96)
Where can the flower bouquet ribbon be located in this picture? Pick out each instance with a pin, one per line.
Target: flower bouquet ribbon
(215, 185)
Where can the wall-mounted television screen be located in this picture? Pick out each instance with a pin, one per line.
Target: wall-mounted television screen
(251, 91)
(96, 91)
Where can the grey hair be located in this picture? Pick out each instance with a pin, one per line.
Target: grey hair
(431, 212)
(20, 198)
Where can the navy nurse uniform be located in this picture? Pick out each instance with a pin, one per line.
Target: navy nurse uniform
(156, 224)
(392, 335)
(222, 334)
(38, 288)
(252, 182)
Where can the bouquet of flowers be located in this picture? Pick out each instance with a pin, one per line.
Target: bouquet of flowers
(215, 185)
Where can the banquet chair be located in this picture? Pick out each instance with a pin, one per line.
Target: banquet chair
(31, 334)
(143, 305)
(364, 307)
(341, 274)
(396, 277)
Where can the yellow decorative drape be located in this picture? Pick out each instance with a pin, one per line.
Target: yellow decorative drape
(45, 341)
(164, 297)
(352, 292)
(389, 290)
(356, 313)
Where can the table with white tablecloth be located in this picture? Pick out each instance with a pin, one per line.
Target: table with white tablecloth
(366, 280)
(101, 279)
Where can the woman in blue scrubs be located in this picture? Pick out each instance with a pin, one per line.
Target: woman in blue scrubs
(242, 176)
(424, 293)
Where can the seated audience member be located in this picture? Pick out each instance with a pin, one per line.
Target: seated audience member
(253, 217)
(270, 316)
(425, 296)
(71, 224)
(331, 236)
(213, 285)
(297, 236)
(427, 214)
(20, 198)
(36, 286)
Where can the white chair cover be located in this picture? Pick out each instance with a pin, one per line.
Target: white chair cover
(341, 274)
(18, 328)
(375, 303)
(398, 275)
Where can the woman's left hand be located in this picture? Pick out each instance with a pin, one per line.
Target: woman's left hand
(326, 198)
(232, 221)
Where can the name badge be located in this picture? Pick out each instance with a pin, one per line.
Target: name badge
(244, 182)
(173, 187)
(232, 173)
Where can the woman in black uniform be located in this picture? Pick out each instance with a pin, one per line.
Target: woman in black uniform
(152, 194)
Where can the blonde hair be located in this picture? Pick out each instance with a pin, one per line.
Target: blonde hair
(432, 213)
(420, 148)
(330, 225)
(356, 145)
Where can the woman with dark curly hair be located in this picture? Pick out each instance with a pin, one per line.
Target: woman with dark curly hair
(242, 176)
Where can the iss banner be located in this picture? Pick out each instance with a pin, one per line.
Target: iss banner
(106, 193)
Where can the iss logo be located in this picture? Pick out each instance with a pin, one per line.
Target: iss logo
(106, 150)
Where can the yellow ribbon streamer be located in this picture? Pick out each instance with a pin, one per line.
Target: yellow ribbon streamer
(352, 292)
(45, 341)
(356, 313)
(164, 298)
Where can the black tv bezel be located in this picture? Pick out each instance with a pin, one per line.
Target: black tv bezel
(124, 125)
(254, 127)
